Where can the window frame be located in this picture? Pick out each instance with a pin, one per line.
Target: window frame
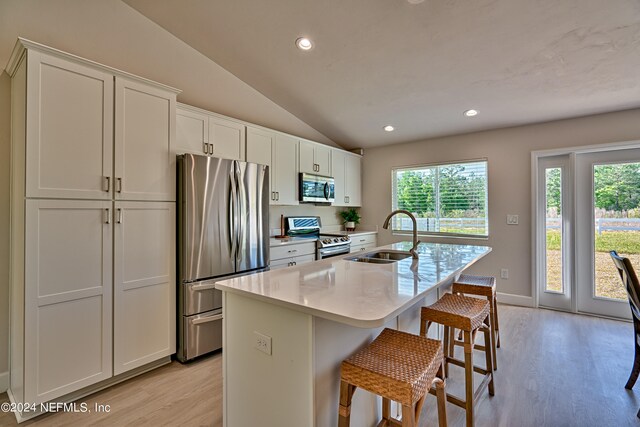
(394, 201)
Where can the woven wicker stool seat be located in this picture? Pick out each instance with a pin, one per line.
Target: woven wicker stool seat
(483, 286)
(470, 315)
(397, 366)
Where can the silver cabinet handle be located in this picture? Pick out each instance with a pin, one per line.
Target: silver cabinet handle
(277, 195)
(295, 263)
(210, 148)
(363, 240)
(362, 249)
(292, 251)
(119, 216)
(206, 319)
(107, 216)
(107, 183)
(119, 185)
(205, 148)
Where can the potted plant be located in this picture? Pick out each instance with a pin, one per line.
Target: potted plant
(350, 218)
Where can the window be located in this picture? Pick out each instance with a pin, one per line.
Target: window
(449, 199)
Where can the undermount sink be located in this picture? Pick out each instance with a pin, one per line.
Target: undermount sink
(380, 257)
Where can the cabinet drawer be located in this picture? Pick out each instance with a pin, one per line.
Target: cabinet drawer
(289, 261)
(364, 239)
(288, 251)
(361, 248)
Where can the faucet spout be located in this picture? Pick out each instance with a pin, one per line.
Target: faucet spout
(413, 251)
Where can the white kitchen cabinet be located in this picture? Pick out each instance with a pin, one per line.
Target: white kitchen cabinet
(69, 119)
(363, 242)
(87, 140)
(279, 152)
(203, 132)
(70, 127)
(144, 283)
(144, 133)
(346, 173)
(285, 255)
(67, 296)
(315, 158)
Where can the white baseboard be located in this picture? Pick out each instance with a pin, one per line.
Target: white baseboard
(515, 299)
(4, 381)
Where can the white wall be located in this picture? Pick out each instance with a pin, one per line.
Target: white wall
(112, 33)
(509, 155)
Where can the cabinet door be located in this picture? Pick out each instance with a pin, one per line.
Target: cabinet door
(259, 143)
(192, 132)
(226, 138)
(338, 159)
(68, 296)
(322, 156)
(285, 170)
(144, 284)
(307, 161)
(69, 129)
(144, 134)
(352, 172)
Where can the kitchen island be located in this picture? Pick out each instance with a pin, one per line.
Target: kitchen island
(287, 331)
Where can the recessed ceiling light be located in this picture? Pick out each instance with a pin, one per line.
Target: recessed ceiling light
(389, 128)
(470, 113)
(415, 1)
(304, 43)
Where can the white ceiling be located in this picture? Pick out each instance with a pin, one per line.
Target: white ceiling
(418, 67)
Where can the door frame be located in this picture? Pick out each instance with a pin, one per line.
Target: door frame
(537, 266)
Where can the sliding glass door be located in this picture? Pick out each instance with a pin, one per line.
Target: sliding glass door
(587, 204)
(608, 203)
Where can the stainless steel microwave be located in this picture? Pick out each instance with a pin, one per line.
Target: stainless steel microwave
(316, 188)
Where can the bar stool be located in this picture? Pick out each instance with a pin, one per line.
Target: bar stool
(397, 366)
(483, 286)
(470, 315)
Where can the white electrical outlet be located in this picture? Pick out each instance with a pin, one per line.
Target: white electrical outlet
(512, 219)
(504, 273)
(262, 342)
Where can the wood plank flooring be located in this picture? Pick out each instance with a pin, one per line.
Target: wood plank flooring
(555, 369)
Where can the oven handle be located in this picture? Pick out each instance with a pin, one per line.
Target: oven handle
(327, 252)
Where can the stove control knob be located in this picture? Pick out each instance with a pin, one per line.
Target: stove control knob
(327, 241)
(336, 240)
(345, 239)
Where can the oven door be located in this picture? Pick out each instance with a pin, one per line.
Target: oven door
(332, 251)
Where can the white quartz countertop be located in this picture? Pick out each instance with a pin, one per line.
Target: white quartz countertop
(359, 294)
(273, 242)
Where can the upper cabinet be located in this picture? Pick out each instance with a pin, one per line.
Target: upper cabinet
(144, 135)
(72, 111)
(202, 132)
(315, 158)
(279, 152)
(346, 172)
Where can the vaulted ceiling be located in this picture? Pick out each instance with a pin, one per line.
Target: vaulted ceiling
(419, 66)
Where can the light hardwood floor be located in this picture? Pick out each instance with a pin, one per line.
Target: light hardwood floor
(555, 369)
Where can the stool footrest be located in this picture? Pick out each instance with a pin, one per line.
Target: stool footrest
(460, 363)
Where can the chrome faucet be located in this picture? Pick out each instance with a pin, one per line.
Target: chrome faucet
(413, 250)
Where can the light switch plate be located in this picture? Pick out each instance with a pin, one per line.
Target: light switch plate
(512, 219)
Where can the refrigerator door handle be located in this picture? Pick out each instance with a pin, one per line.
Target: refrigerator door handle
(233, 222)
(242, 214)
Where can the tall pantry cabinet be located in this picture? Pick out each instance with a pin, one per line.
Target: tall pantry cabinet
(92, 224)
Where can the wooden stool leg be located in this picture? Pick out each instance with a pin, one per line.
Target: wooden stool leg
(441, 397)
(495, 320)
(386, 409)
(492, 316)
(408, 416)
(468, 374)
(446, 350)
(346, 393)
(489, 351)
(417, 408)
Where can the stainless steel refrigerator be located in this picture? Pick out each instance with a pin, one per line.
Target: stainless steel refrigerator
(223, 230)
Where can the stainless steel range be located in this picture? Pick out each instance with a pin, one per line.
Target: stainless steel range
(328, 245)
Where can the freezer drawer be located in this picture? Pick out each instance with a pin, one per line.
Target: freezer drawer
(199, 297)
(202, 333)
